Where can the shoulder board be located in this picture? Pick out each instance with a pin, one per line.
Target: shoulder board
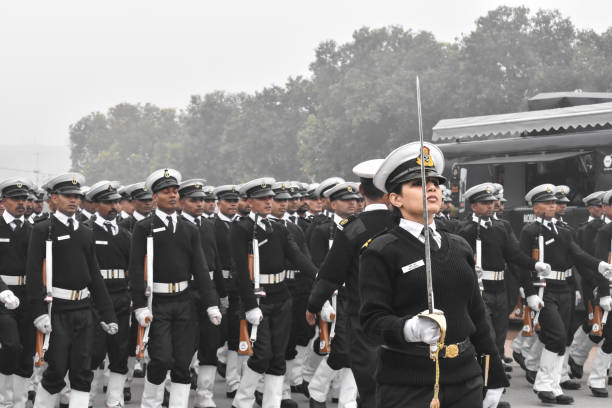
(369, 241)
(347, 220)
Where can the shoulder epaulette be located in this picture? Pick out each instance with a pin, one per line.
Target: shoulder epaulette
(345, 221)
(369, 241)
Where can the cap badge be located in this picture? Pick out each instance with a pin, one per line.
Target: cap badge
(428, 161)
(19, 185)
(349, 189)
(74, 181)
(233, 189)
(488, 190)
(282, 186)
(263, 184)
(144, 189)
(548, 190)
(166, 173)
(197, 186)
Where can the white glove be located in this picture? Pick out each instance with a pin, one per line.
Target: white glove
(144, 316)
(9, 299)
(534, 302)
(606, 303)
(578, 298)
(522, 292)
(328, 313)
(110, 328)
(254, 316)
(478, 270)
(542, 268)
(224, 303)
(43, 323)
(418, 329)
(214, 315)
(605, 269)
(492, 397)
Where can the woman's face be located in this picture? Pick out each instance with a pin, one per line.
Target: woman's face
(410, 201)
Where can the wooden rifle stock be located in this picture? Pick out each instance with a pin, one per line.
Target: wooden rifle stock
(251, 261)
(39, 360)
(141, 329)
(517, 312)
(324, 344)
(528, 316)
(597, 329)
(244, 345)
(591, 315)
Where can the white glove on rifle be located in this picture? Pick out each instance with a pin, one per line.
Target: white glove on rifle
(254, 316)
(605, 269)
(606, 303)
(43, 323)
(492, 397)
(214, 315)
(9, 299)
(522, 292)
(418, 329)
(144, 316)
(542, 268)
(224, 303)
(110, 328)
(328, 313)
(534, 302)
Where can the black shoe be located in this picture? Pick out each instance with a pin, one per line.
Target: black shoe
(599, 392)
(104, 388)
(570, 385)
(140, 373)
(507, 368)
(127, 394)
(507, 360)
(576, 370)
(166, 401)
(301, 389)
(258, 398)
(63, 405)
(289, 403)
(530, 376)
(518, 357)
(315, 404)
(564, 399)
(221, 368)
(508, 376)
(32, 396)
(231, 394)
(194, 379)
(609, 380)
(547, 397)
(503, 404)
(335, 400)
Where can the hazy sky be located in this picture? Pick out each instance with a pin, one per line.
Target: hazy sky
(61, 60)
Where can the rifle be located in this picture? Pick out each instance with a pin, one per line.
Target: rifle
(542, 282)
(255, 274)
(244, 345)
(42, 340)
(478, 254)
(517, 311)
(324, 341)
(142, 339)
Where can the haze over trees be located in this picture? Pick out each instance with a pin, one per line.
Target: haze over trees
(358, 103)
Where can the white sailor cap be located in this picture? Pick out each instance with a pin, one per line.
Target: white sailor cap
(258, 188)
(561, 193)
(326, 185)
(404, 164)
(84, 191)
(310, 191)
(541, 193)
(227, 192)
(104, 190)
(368, 168)
(163, 178)
(39, 194)
(193, 188)
(209, 193)
(607, 198)
(139, 191)
(295, 189)
(343, 191)
(499, 192)
(281, 190)
(66, 184)
(480, 192)
(122, 192)
(15, 187)
(593, 198)
(447, 196)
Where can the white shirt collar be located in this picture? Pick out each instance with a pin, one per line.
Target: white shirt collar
(138, 216)
(483, 222)
(606, 220)
(374, 207)
(337, 219)
(8, 218)
(100, 221)
(124, 215)
(495, 216)
(164, 217)
(415, 228)
(189, 217)
(63, 218)
(259, 222)
(223, 217)
(591, 218)
(86, 213)
(308, 214)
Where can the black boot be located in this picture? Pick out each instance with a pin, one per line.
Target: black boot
(518, 357)
(599, 392)
(570, 385)
(288, 403)
(221, 368)
(547, 397)
(127, 394)
(166, 401)
(258, 398)
(530, 376)
(564, 399)
(576, 370)
(315, 404)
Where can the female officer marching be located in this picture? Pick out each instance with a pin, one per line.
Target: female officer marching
(394, 298)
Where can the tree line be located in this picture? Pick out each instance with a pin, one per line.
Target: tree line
(358, 103)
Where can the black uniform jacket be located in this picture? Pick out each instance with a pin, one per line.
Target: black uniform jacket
(393, 289)
(13, 250)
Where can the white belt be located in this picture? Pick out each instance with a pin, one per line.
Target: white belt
(113, 273)
(174, 287)
(13, 280)
(226, 273)
(558, 275)
(269, 279)
(68, 294)
(291, 274)
(493, 275)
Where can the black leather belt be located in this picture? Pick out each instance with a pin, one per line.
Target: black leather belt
(422, 350)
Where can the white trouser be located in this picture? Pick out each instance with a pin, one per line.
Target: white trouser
(152, 395)
(20, 391)
(245, 395)
(114, 393)
(96, 383)
(179, 395)
(273, 391)
(222, 353)
(295, 373)
(549, 373)
(348, 389)
(532, 350)
(580, 347)
(206, 384)
(312, 363)
(598, 377)
(232, 371)
(78, 399)
(6, 391)
(44, 399)
(321, 382)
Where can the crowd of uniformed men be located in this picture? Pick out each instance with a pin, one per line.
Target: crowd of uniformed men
(82, 277)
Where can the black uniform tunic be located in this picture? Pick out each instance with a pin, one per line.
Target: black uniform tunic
(603, 241)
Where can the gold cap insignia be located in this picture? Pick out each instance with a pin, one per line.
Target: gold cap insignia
(166, 173)
(19, 185)
(144, 189)
(488, 190)
(428, 161)
(291, 190)
(110, 187)
(74, 180)
(548, 190)
(233, 189)
(349, 189)
(263, 184)
(282, 186)
(197, 186)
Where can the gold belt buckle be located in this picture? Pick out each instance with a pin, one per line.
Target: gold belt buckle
(451, 351)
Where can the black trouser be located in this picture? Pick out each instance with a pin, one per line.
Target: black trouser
(496, 309)
(133, 335)
(301, 331)
(466, 394)
(272, 337)
(172, 338)
(208, 334)
(70, 350)
(606, 346)
(554, 319)
(363, 357)
(116, 345)
(230, 324)
(17, 337)
(339, 354)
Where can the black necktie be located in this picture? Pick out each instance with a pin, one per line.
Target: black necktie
(432, 242)
(17, 224)
(198, 222)
(267, 224)
(71, 224)
(292, 218)
(170, 225)
(109, 227)
(488, 223)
